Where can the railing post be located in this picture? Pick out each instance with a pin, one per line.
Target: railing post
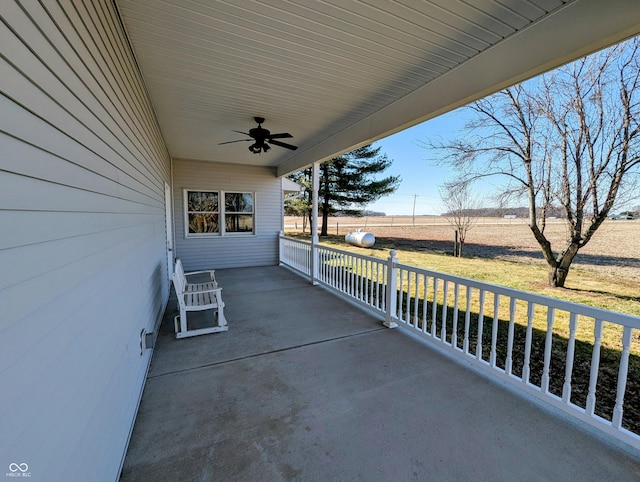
(280, 247)
(314, 260)
(315, 240)
(391, 295)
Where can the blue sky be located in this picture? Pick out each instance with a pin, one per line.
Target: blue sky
(420, 178)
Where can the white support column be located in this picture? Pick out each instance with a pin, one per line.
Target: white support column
(392, 290)
(314, 222)
(280, 248)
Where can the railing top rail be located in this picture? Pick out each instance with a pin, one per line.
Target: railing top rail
(335, 250)
(351, 253)
(294, 240)
(588, 311)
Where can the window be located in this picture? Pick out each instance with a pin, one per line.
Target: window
(238, 212)
(202, 212)
(206, 215)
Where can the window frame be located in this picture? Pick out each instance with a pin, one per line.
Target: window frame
(252, 213)
(222, 214)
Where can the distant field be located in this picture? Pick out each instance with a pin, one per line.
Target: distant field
(614, 249)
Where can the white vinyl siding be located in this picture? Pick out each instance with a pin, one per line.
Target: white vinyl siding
(229, 250)
(82, 238)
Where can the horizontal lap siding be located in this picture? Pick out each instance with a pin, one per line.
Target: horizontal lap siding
(231, 251)
(82, 238)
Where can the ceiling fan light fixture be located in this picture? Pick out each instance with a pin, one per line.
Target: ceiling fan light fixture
(262, 136)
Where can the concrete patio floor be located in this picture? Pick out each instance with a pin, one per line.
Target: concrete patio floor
(305, 386)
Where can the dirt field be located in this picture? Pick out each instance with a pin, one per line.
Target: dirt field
(614, 249)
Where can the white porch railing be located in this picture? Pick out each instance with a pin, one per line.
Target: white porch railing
(508, 333)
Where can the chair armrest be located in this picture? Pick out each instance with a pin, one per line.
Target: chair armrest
(209, 271)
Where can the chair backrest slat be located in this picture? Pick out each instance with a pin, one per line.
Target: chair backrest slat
(179, 281)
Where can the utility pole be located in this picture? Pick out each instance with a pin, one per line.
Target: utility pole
(414, 209)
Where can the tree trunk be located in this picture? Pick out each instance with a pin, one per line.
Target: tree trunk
(455, 245)
(557, 276)
(559, 270)
(325, 222)
(324, 188)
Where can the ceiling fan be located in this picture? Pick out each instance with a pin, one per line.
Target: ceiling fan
(263, 138)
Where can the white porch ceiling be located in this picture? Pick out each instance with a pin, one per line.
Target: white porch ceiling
(341, 73)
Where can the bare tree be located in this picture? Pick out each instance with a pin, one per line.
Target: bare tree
(461, 210)
(569, 138)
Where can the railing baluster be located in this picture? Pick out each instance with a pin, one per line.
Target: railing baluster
(408, 307)
(416, 301)
(345, 274)
(480, 326)
(454, 326)
(445, 295)
(425, 304)
(398, 312)
(547, 349)
(348, 272)
(376, 293)
(494, 329)
(356, 278)
(467, 321)
(361, 279)
(367, 265)
(434, 307)
(622, 378)
(526, 369)
(595, 365)
(372, 283)
(568, 368)
(383, 291)
(512, 319)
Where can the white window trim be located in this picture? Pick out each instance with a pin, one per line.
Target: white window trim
(221, 214)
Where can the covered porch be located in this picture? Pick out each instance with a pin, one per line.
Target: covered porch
(306, 386)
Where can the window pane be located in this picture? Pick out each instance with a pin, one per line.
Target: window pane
(202, 201)
(203, 223)
(238, 202)
(238, 223)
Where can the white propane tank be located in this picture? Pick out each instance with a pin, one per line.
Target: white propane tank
(360, 238)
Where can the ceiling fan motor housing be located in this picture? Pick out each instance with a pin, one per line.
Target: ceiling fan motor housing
(262, 136)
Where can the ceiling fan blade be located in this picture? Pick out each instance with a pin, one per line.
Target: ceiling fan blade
(239, 140)
(240, 132)
(282, 144)
(282, 135)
